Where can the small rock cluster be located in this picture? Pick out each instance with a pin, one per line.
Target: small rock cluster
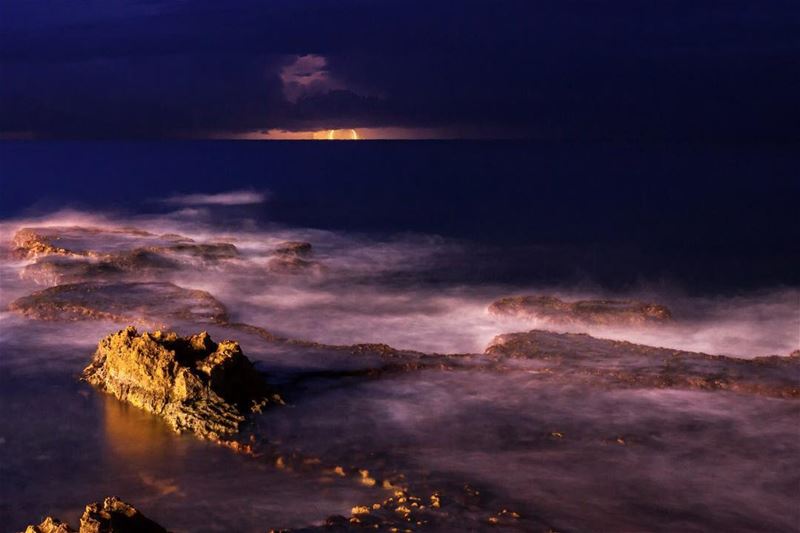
(112, 516)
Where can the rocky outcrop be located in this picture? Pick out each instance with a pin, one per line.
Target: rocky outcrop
(122, 302)
(77, 241)
(577, 358)
(110, 243)
(70, 254)
(112, 516)
(550, 309)
(192, 382)
(50, 525)
(293, 257)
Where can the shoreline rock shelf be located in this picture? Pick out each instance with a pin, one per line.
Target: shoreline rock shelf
(193, 383)
(74, 253)
(577, 358)
(131, 302)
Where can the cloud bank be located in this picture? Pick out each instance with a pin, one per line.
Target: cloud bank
(546, 70)
(224, 198)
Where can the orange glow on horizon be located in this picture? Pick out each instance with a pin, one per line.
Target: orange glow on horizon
(337, 135)
(342, 134)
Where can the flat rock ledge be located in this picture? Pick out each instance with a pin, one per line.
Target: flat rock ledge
(192, 382)
(112, 516)
(127, 302)
(597, 312)
(576, 358)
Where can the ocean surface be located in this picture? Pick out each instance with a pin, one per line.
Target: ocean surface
(707, 217)
(410, 244)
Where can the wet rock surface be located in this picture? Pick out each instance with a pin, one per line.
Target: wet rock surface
(110, 243)
(138, 302)
(193, 383)
(68, 254)
(580, 357)
(139, 264)
(553, 310)
(111, 516)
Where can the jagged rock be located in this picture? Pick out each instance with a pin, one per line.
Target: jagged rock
(121, 302)
(192, 382)
(50, 525)
(600, 312)
(579, 357)
(116, 516)
(112, 516)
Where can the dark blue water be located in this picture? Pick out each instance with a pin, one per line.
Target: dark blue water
(709, 217)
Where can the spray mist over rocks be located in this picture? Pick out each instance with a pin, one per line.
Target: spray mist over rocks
(553, 395)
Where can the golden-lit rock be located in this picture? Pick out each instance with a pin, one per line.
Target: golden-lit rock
(50, 525)
(192, 382)
(553, 310)
(111, 516)
(116, 516)
(111, 243)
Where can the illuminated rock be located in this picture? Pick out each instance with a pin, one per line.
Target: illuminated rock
(50, 525)
(598, 312)
(112, 516)
(192, 382)
(122, 302)
(112, 244)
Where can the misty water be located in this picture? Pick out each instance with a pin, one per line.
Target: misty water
(567, 456)
(508, 443)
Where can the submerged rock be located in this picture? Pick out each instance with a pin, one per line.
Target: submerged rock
(580, 357)
(112, 516)
(600, 312)
(121, 302)
(192, 382)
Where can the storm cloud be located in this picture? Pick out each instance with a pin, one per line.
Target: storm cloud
(547, 70)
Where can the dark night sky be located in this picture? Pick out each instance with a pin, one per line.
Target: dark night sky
(565, 69)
